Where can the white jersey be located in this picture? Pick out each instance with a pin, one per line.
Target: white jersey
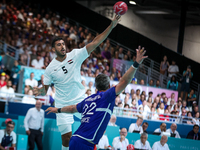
(67, 81)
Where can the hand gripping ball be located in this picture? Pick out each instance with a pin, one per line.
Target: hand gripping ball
(120, 8)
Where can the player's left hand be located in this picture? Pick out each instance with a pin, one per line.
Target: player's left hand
(51, 110)
(140, 54)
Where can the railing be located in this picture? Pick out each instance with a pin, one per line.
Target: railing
(135, 113)
(17, 97)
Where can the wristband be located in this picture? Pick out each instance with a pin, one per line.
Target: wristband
(135, 65)
(59, 110)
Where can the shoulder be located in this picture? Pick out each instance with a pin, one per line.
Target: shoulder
(13, 133)
(42, 111)
(116, 138)
(1, 132)
(137, 142)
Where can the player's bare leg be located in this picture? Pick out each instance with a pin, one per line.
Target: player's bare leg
(65, 140)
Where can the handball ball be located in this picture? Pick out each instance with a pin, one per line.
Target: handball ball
(120, 8)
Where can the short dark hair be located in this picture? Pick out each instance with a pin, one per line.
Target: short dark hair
(146, 123)
(102, 82)
(11, 122)
(195, 126)
(56, 39)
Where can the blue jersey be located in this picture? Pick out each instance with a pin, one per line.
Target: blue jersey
(96, 111)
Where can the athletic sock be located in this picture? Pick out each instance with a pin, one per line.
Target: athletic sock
(65, 148)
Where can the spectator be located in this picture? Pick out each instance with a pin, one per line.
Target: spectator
(153, 115)
(162, 144)
(195, 110)
(103, 142)
(34, 125)
(121, 142)
(142, 98)
(186, 79)
(189, 118)
(88, 93)
(195, 120)
(184, 105)
(15, 73)
(121, 55)
(3, 80)
(172, 84)
(191, 98)
(8, 136)
(38, 63)
(136, 127)
(150, 83)
(7, 91)
(137, 95)
(157, 84)
(112, 121)
(194, 134)
(164, 65)
(173, 69)
(47, 20)
(149, 102)
(91, 87)
(134, 105)
(40, 82)
(31, 82)
(28, 99)
(142, 82)
(146, 109)
(145, 126)
(171, 98)
(142, 143)
(172, 131)
(106, 54)
(161, 109)
(162, 128)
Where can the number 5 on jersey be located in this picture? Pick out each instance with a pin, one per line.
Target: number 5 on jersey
(64, 70)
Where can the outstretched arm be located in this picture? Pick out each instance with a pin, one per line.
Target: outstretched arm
(66, 109)
(101, 37)
(127, 77)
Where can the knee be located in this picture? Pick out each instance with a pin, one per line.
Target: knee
(65, 140)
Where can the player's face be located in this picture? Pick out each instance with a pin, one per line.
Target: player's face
(60, 48)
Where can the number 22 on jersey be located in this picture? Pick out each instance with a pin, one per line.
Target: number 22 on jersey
(89, 108)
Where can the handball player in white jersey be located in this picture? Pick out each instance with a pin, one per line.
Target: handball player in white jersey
(64, 72)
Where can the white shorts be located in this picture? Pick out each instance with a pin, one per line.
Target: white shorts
(65, 128)
(64, 118)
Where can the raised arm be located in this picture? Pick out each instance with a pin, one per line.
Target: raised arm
(66, 109)
(101, 37)
(127, 77)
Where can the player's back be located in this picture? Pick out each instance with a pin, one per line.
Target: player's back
(96, 111)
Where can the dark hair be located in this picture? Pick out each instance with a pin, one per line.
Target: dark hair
(195, 126)
(137, 90)
(102, 82)
(145, 123)
(150, 92)
(140, 117)
(56, 39)
(174, 78)
(11, 122)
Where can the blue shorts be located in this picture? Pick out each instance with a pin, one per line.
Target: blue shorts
(77, 143)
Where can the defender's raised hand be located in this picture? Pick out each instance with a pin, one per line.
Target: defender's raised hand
(140, 54)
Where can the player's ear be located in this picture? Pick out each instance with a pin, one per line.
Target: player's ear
(53, 49)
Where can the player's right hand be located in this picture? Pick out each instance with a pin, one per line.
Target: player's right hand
(51, 110)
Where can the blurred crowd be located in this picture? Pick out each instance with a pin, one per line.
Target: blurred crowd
(31, 30)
